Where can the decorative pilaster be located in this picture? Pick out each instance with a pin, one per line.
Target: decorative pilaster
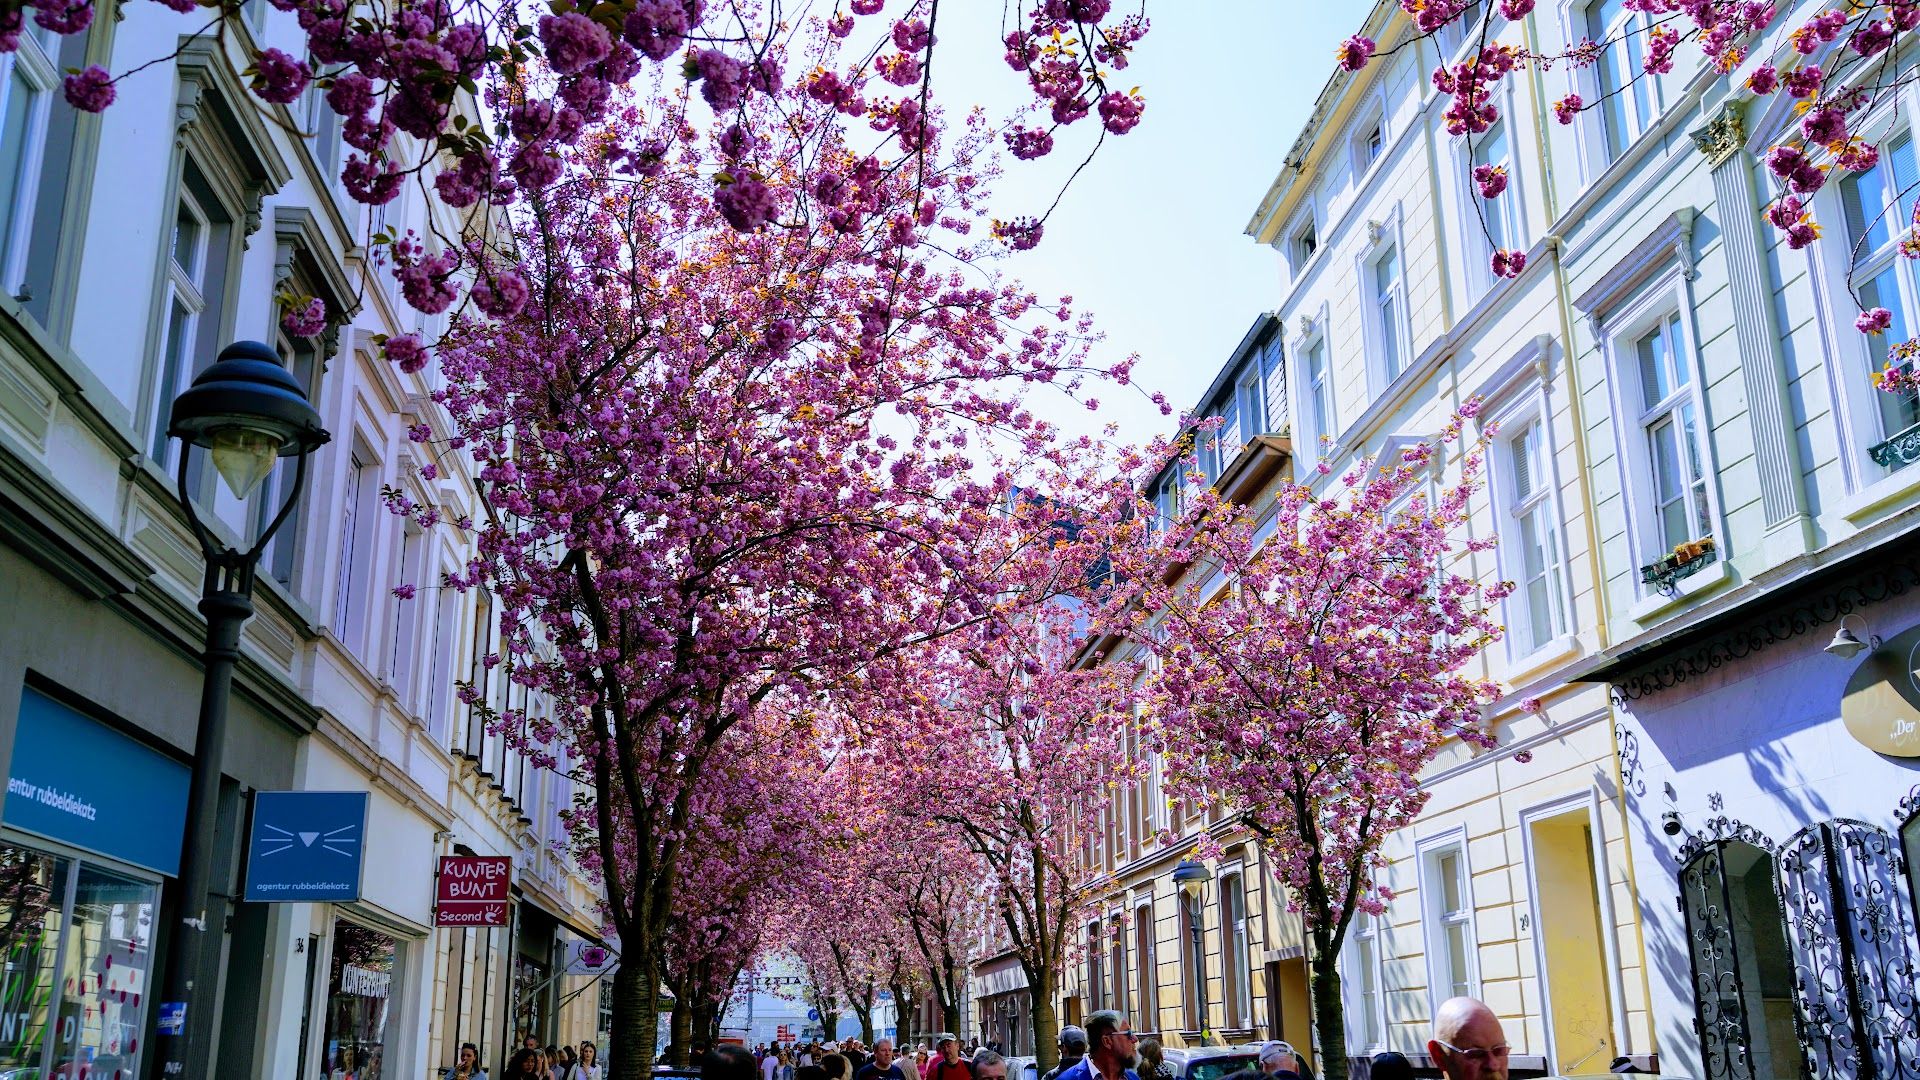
(1756, 330)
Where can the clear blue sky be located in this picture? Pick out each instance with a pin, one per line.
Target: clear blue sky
(1151, 237)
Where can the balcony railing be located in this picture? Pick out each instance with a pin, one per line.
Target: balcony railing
(1899, 451)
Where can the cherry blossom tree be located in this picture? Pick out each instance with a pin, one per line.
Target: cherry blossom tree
(1016, 740)
(1839, 64)
(1307, 697)
(419, 67)
(726, 471)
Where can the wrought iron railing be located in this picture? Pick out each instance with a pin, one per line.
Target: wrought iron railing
(1900, 450)
(1666, 573)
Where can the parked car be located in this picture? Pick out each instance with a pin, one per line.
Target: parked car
(1211, 1062)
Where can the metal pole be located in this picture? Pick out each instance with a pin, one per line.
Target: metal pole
(226, 611)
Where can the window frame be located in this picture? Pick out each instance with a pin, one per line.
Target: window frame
(1236, 949)
(1382, 372)
(42, 72)
(1317, 402)
(1435, 919)
(1630, 54)
(1304, 230)
(1624, 324)
(1509, 208)
(1368, 933)
(1518, 395)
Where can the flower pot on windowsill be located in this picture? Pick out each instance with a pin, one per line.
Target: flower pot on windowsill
(1684, 560)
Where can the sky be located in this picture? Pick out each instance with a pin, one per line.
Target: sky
(1151, 237)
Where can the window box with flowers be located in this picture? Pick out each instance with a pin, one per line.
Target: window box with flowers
(1685, 560)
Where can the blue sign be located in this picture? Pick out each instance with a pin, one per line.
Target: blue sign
(75, 780)
(306, 846)
(813, 1014)
(173, 1017)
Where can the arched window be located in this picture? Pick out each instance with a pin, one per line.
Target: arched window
(1849, 922)
(1117, 961)
(1742, 971)
(1096, 990)
(1233, 939)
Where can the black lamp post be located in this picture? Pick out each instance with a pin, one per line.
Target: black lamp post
(247, 412)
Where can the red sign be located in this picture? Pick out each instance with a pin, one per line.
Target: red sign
(473, 890)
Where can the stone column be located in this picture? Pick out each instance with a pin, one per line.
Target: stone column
(1757, 334)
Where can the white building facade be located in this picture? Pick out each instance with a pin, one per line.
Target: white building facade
(138, 243)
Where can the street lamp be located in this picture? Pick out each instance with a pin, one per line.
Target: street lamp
(247, 412)
(1191, 878)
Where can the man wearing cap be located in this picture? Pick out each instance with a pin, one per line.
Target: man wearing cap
(1112, 1050)
(1073, 1047)
(1277, 1061)
(948, 1064)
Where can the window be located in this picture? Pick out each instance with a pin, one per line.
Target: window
(405, 660)
(1304, 242)
(1368, 140)
(302, 359)
(37, 134)
(1235, 973)
(1878, 204)
(1193, 961)
(1364, 973)
(1450, 938)
(360, 987)
(1503, 212)
(1168, 500)
(1250, 404)
(1144, 954)
(323, 126)
(1629, 98)
(1117, 962)
(1096, 987)
(1320, 391)
(1454, 36)
(1389, 313)
(1534, 536)
(356, 550)
(196, 266)
(1673, 442)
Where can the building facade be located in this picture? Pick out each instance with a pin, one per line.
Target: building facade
(136, 244)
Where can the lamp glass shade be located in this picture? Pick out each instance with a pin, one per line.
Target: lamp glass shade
(244, 455)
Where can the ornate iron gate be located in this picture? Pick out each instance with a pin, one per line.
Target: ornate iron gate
(1844, 892)
(1720, 1013)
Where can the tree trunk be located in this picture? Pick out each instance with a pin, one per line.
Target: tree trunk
(902, 1017)
(830, 1023)
(1329, 1018)
(866, 1026)
(680, 1032)
(1046, 1024)
(636, 1009)
(706, 1022)
(950, 1015)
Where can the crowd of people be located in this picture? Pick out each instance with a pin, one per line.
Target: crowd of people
(1468, 1044)
(532, 1062)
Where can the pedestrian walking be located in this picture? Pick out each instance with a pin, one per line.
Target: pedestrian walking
(1153, 1061)
(909, 1066)
(837, 1067)
(1073, 1047)
(1112, 1049)
(1390, 1065)
(466, 1065)
(989, 1065)
(882, 1066)
(1277, 1061)
(728, 1063)
(949, 1065)
(523, 1065)
(588, 1067)
(1468, 1042)
(769, 1066)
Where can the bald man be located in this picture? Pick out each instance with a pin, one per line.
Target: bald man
(1468, 1043)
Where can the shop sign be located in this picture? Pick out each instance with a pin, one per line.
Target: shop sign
(590, 958)
(75, 780)
(1881, 706)
(306, 846)
(473, 890)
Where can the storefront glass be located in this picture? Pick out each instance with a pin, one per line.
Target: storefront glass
(359, 996)
(77, 941)
(529, 979)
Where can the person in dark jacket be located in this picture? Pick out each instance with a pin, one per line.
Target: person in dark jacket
(1073, 1047)
(1391, 1065)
